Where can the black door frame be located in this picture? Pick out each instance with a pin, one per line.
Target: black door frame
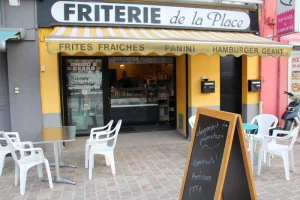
(105, 86)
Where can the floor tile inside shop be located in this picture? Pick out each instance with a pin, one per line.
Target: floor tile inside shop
(148, 165)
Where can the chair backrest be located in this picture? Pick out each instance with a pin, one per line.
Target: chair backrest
(10, 143)
(192, 120)
(294, 133)
(264, 122)
(13, 135)
(107, 127)
(116, 130)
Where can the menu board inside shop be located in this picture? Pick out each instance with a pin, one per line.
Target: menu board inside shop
(140, 60)
(218, 165)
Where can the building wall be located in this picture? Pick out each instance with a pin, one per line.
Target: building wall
(209, 66)
(273, 71)
(23, 71)
(250, 71)
(181, 92)
(50, 83)
(199, 66)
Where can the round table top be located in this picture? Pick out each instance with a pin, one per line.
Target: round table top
(248, 126)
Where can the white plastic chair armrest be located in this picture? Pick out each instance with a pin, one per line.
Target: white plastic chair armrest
(274, 139)
(95, 134)
(266, 137)
(105, 139)
(23, 144)
(21, 147)
(276, 132)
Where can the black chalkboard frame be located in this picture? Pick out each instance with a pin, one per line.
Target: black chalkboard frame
(235, 125)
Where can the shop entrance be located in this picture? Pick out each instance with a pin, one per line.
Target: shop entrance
(142, 93)
(84, 88)
(231, 84)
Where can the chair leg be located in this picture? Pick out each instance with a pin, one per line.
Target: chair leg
(111, 159)
(48, 173)
(269, 159)
(91, 164)
(40, 170)
(23, 177)
(292, 160)
(87, 149)
(260, 157)
(286, 163)
(16, 174)
(2, 162)
(107, 161)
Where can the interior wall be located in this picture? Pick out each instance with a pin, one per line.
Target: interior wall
(140, 70)
(50, 83)
(181, 88)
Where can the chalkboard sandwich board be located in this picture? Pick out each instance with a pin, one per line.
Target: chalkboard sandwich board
(218, 164)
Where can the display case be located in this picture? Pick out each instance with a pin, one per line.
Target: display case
(134, 105)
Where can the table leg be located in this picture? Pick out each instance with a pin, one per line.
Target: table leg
(61, 163)
(251, 149)
(58, 178)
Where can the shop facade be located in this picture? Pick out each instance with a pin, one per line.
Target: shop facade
(203, 59)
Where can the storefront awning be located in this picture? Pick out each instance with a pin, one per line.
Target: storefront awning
(6, 34)
(127, 41)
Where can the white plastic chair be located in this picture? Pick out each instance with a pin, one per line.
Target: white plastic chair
(4, 150)
(91, 140)
(192, 120)
(26, 161)
(107, 151)
(284, 151)
(265, 122)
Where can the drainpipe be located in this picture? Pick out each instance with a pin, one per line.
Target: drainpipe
(261, 28)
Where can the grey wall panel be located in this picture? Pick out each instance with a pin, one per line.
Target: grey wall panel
(23, 72)
(249, 111)
(23, 16)
(51, 120)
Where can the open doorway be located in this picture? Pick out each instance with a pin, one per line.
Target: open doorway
(142, 93)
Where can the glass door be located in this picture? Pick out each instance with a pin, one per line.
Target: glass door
(83, 93)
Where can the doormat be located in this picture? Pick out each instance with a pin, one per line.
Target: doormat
(127, 129)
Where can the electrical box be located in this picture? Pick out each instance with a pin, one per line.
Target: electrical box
(254, 85)
(207, 86)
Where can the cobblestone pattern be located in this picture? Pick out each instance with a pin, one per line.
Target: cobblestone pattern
(143, 173)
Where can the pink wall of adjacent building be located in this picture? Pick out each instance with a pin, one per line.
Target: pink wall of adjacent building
(273, 72)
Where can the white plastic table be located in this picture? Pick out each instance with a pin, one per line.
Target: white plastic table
(57, 136)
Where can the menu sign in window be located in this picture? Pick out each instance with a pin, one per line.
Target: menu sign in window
(84, 93)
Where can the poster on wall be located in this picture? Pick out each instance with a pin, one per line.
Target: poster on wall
(294, 73)
(287, 17)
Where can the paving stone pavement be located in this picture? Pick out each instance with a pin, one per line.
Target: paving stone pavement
(143, 173)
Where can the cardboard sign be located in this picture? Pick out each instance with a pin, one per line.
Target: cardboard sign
(218, 165)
